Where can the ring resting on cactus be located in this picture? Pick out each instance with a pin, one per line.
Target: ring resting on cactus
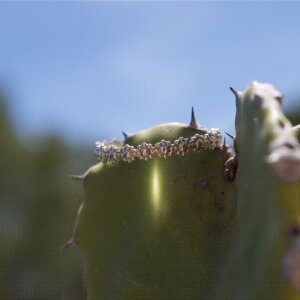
(191, 217)
(112, 152)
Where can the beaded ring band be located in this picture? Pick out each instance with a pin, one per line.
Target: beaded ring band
(114, 151)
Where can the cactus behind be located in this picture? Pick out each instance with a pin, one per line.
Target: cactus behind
(268, 199)
(184, 227)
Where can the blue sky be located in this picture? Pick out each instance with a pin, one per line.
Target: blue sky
(88, 70)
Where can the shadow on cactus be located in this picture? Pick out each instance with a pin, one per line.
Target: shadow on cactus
(174, 212)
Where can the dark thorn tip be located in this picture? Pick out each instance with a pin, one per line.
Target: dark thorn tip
(234, 91)
(126, 135)
(230, 135)
(193, 122)
(224, 142)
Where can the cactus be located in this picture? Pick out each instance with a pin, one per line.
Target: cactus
(175, 213)
(263, 260)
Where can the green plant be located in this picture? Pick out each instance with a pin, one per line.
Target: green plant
(199, 219)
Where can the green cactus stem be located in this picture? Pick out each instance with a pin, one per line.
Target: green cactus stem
(268, 200)
(156, 229)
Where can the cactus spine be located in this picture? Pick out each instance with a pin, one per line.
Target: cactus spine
(176, 223)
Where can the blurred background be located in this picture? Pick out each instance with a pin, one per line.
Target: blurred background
(75, 72)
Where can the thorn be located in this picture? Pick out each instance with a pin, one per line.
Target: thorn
(78, 177)
(234, 91)
(193, 122)
(71, 243)
(126, 135)
(297, 127)
(230, 135)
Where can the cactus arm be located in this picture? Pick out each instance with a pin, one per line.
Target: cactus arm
(268, 194)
